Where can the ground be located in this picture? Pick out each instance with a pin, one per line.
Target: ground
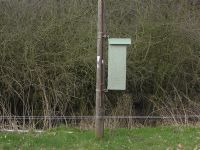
(146, 138)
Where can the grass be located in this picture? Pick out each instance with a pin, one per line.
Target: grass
(115, 139)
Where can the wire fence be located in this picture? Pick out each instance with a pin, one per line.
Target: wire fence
(104, 117)
(88, 122)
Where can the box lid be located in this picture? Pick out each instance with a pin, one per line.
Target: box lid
(119, 41)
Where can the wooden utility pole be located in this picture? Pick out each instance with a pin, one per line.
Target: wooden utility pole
(99, 120)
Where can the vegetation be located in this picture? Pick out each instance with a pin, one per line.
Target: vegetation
(48, 56)
(134, 139)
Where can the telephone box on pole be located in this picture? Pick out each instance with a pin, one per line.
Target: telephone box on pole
(116, 67)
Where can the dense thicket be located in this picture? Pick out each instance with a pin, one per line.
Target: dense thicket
(48, 57)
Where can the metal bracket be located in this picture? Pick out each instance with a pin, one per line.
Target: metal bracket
(105, 35)
(102, 35)
(105, 90)
(99, 35)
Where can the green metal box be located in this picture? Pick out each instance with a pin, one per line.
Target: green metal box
(117, 63)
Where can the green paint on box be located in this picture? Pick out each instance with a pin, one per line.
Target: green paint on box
(117, 63)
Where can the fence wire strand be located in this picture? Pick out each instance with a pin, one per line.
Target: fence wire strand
(104, 117)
